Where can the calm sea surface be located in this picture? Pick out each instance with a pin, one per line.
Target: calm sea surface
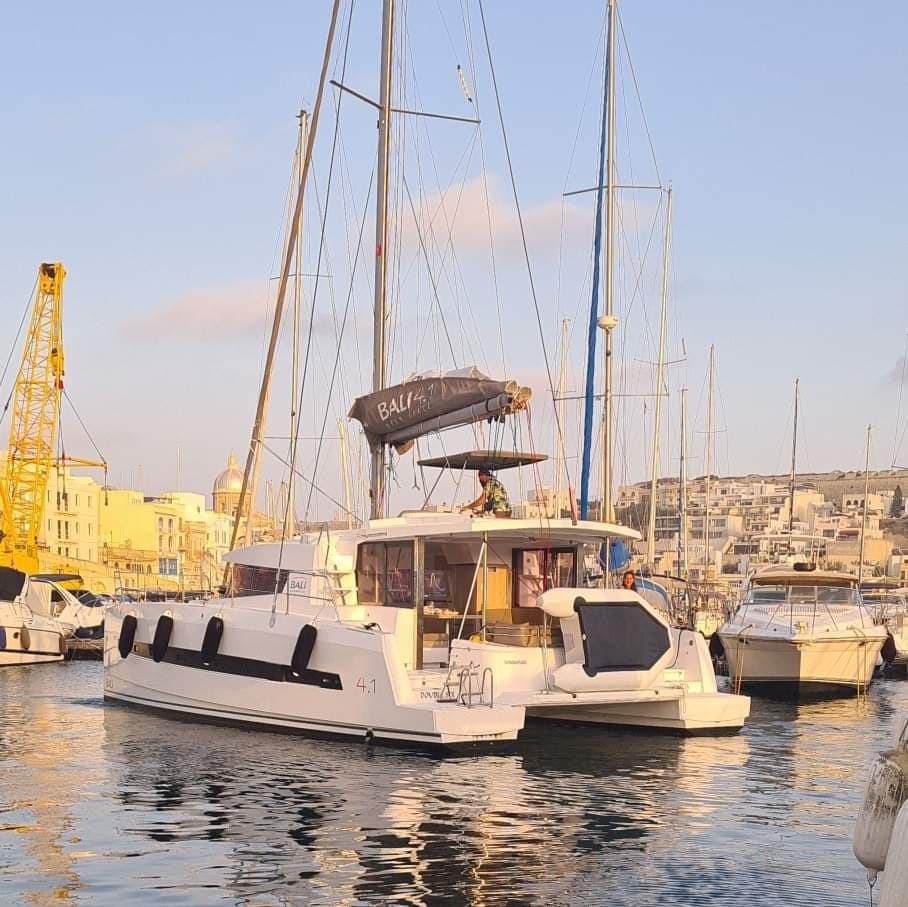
(104, 805)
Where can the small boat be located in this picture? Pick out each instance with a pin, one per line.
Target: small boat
(802, 629)
(28, 632)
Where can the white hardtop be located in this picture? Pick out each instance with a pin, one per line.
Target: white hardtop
(303, 554)
(462, 526)
(787, 576)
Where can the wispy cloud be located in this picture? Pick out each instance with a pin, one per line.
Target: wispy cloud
(464, 211)
(185, 149)
(211, 314)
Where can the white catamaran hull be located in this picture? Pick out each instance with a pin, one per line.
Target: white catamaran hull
(353, 686)
(683, 699)
(846, 661)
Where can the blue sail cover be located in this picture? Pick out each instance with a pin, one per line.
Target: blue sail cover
(618, 555)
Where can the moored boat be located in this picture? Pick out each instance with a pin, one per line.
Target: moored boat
(28, 633)
(802, 630)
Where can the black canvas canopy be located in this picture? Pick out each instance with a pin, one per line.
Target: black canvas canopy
(493, 460)
(427, 403)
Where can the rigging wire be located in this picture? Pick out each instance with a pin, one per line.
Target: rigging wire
(337, 356)
(88, 435)
(12, 350)
(321, 248)
(523, 238)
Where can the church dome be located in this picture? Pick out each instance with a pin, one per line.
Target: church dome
(229, 480)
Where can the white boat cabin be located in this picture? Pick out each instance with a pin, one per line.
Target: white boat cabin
(435, 576)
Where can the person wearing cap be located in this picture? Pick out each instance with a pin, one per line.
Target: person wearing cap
(493, 498)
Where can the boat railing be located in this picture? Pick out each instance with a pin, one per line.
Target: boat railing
(467, 694)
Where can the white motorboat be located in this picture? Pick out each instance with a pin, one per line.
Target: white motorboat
(28, 632)
(333, 634)
(889, 607)
(802, 628)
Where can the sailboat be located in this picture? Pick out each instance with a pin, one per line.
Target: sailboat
(434, 628)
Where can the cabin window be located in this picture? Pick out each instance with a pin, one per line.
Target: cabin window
(258, 580)
(370, 573)
(400, 574)
(539, 569)
(384, 574)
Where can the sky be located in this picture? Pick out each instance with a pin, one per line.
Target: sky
(149, 149)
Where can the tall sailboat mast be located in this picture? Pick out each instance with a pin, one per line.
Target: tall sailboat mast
(379, 340)
(559, 443)
(709, 457)
(608, 321)
(289, 519)
(606, 143)
(864, 513)
(246, 502)
(794, 457)
(660, 374)
(682, 491)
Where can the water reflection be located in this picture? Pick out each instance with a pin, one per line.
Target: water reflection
(109, 804)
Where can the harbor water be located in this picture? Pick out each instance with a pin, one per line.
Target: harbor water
(106, 805)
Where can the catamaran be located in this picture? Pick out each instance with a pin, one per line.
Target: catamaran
(440, 628)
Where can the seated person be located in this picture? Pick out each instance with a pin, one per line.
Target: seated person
(493, 498)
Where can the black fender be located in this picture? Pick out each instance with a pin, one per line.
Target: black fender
(213, 633)
(889, 651)
(127, 635)
(302, 651)
(161, 641)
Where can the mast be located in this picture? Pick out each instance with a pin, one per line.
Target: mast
(559, 440)
(660, 370)
(794, 454)
(589, 392)
(250, 473)
(864, 515)
(608, 324)
(381, 246)
(709, 456)
(345, 471)
(289, 521)
(682, 491)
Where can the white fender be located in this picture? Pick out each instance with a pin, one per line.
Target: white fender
(895, 879)
(884, 795)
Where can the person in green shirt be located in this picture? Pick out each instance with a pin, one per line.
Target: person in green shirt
(493, 498)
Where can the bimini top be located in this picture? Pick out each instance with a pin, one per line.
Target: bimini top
(493, 460)
(787, 576)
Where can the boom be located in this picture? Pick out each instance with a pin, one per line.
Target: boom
(33, 428)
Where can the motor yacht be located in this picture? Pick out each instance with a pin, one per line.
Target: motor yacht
(889, 606)
(436, 628)
(802, 628)
(29, 634)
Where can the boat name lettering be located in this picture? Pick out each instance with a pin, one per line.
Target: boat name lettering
(299, 583)
(395, 406)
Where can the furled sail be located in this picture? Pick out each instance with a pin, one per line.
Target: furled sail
(433, 401)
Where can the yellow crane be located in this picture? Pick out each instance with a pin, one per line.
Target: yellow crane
(34, 425)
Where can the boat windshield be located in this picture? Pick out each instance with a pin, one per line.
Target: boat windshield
(827, 595)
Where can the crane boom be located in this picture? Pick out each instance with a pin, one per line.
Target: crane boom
(34, 423)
